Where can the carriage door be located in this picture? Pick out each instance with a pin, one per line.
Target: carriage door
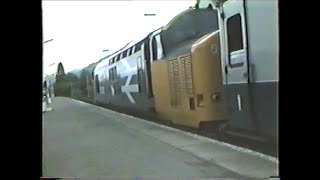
(236, 64)
(147, 56)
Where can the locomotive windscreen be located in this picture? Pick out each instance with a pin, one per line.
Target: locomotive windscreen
(186, 28)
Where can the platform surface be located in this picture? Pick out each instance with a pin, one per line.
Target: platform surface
(84, 141)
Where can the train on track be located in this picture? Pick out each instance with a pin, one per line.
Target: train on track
(212, 65)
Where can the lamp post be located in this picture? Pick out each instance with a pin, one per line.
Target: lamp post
(52, 64)
(47, 41)
(150, 19)
(149, 14)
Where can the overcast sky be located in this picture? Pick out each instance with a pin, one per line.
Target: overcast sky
(82, 29)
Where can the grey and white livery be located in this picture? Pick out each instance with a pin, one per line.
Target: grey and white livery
(124, 78)
(249, 53)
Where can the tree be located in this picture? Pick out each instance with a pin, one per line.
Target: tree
(60, 70)
(63, 83)
(83, 80)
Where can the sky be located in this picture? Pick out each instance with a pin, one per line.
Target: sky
(81, 30)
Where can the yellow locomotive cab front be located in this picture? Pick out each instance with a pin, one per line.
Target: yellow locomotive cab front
(188, 89)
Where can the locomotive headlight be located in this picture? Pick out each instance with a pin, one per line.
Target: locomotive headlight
(215, 96)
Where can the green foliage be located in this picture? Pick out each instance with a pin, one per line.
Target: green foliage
(62, 88)
(71, 86)
(83, 80)
(63, 84)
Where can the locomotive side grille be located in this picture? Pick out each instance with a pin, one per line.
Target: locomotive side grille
(171, 81)
(180, 78)
(176, 79)
(188, 75)
(182, 74)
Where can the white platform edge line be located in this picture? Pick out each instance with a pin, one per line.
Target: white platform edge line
(237, 148)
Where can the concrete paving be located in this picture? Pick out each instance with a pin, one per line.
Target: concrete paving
(85, 141)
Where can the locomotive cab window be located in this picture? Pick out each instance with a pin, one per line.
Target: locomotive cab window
(235, 41)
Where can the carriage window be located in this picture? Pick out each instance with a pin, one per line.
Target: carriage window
(112, 60)
(235, 41)
(154, 49)
(118, 57)
(124, 54)
(130, 51)
(138, 47)
(97, 84)
(112, 74)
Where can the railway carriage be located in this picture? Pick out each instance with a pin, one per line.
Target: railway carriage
(249, 39)
(121, 79)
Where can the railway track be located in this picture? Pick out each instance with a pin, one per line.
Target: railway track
(231, 136)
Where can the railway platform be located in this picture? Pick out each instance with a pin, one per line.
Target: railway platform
(81, 140)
